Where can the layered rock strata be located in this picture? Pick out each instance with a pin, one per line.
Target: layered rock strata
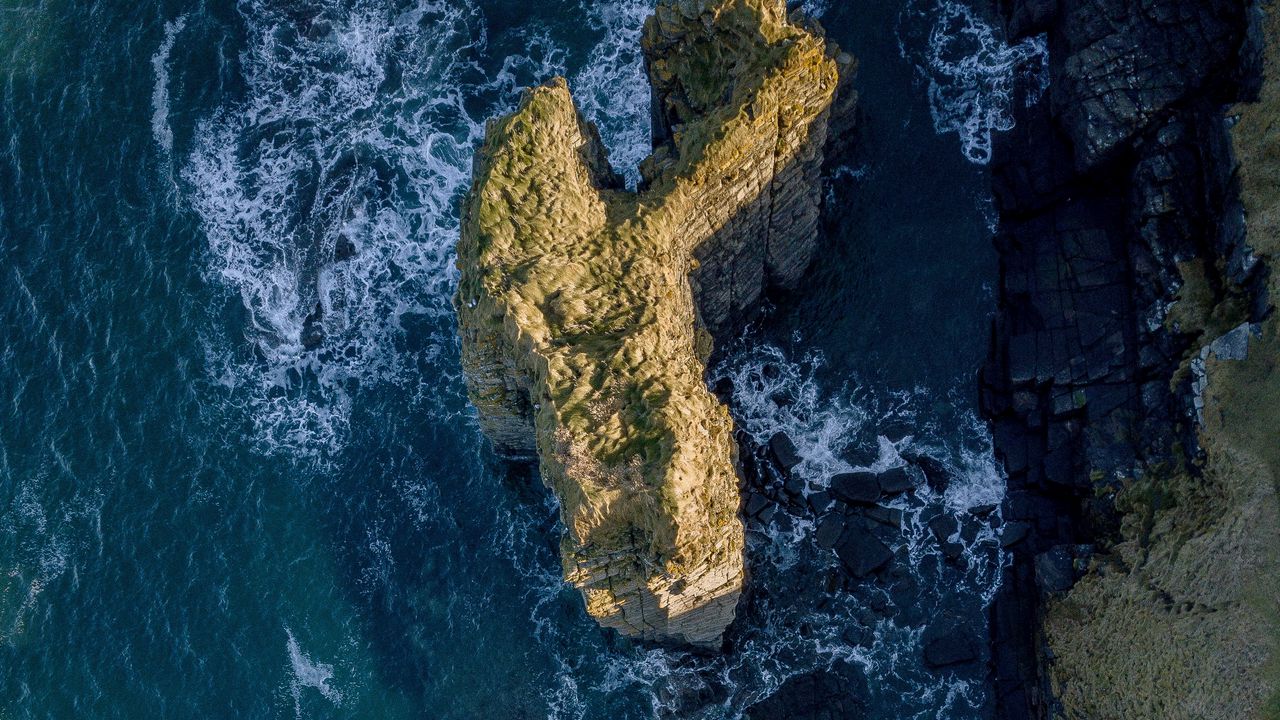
(1125, 259)
(587, 311)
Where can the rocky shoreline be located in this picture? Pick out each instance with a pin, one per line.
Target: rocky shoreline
(1134, 305)
(1124, 259)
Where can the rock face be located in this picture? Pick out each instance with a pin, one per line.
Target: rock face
(587, 312)
(1123, 253)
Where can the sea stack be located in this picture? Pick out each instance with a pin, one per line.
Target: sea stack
(588, 311)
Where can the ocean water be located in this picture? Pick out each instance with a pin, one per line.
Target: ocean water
(238, 473)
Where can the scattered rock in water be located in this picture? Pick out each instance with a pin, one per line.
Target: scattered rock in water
(935, 473)
(820, 501)
(862, 553)
(896, 480)
(783, 451)
(944, 526)
(982, 511)
(794, 486)
(856, 487)
(723, 389)
(891, 517)
(755, 505)
(952, 550)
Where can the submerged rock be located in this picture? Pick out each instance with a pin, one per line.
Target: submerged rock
(820, 695)
(587, 312)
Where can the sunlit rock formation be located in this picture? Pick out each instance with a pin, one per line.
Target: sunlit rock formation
(587, 311)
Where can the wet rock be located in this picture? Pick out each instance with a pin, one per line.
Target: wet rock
(944, 526)
(794, 486)
(895, 480)
(935, 473)
(862, 553)
(1055, 570)
(856, 487)
(313, 329)
(830, 528)
(891, 517)
(982, 511)
(948, 648)
(820, 501)
(952, 551)
(723, 389)
(834, 694)
(344, 249)
(783, 451)
(755, 504)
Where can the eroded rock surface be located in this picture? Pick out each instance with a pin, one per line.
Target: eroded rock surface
(587, 311)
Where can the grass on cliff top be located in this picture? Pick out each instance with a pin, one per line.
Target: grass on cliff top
(1251, 389)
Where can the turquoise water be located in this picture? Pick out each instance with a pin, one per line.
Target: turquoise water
(213, 507)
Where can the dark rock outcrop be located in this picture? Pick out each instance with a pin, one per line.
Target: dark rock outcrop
(1115, 193)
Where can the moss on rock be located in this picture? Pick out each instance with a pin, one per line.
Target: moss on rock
(1181, 619)
(587, 310)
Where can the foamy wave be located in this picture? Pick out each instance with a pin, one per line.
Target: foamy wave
(307, 673)
(969, 68)
(328, 200)
(160, 129)
(611, 88)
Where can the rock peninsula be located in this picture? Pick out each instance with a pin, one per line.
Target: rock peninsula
(587, 311)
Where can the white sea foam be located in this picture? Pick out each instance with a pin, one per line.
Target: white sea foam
(334, 185)
(969, 69)
(308, 673)
(611, 88)
(356, 133)
(160, 129)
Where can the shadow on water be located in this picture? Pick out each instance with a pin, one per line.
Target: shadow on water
(902, 290)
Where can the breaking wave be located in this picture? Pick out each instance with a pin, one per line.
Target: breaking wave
(328, 196)
(970, 70)
(160, 90)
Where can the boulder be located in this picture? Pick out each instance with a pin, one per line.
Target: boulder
(861, 552)
(830, 528)
(896, 480)
(783, 451)
(856, 487)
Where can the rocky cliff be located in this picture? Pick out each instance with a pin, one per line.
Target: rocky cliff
(587, 311)
(1132, 379)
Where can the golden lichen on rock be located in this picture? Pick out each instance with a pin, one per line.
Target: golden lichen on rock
(586, 310)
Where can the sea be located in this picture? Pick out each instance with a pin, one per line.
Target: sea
(239, 475)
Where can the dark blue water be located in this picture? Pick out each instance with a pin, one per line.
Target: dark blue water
(208, 510)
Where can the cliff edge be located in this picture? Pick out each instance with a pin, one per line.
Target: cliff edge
(587, 311)
(1132, 380)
